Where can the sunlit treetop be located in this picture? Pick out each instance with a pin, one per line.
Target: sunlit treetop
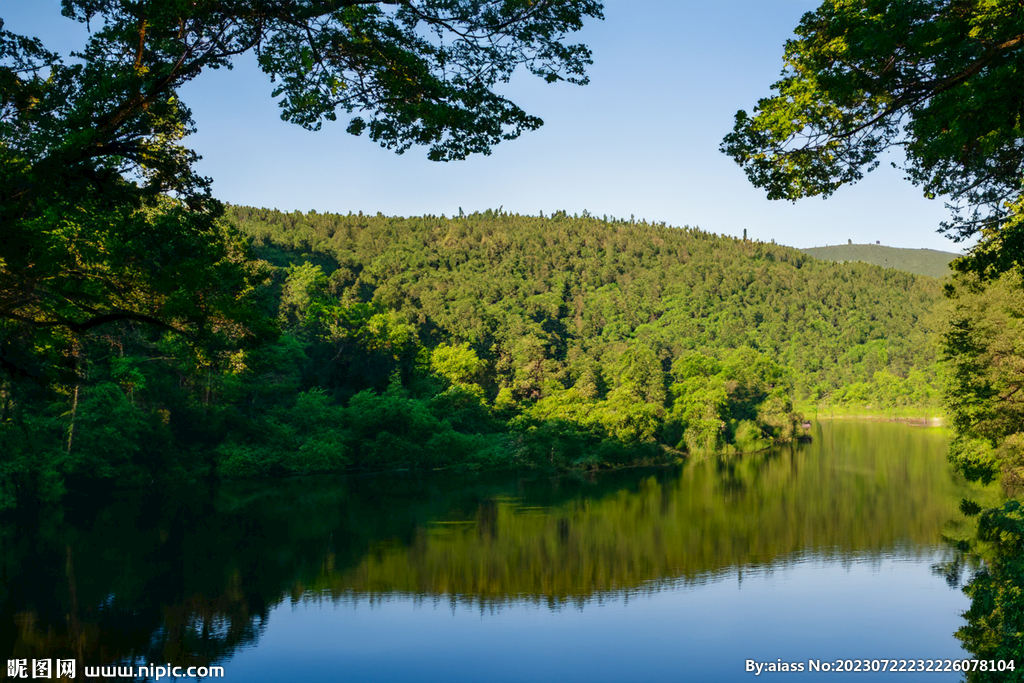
(942, 80)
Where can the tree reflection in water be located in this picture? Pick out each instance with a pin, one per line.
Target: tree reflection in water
(995, 621)
(191, 579)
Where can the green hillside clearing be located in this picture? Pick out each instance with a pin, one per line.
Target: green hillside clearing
(930, 262)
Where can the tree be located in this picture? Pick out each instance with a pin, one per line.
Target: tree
(104, 218)
(986, 367)
(938, 79)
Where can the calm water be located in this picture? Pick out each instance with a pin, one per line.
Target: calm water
(828, 551)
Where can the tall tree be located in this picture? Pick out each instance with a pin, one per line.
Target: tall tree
(104, 218)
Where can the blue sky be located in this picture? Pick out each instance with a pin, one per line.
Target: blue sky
(642, 139)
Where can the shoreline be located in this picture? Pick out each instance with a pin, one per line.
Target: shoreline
(935, 421)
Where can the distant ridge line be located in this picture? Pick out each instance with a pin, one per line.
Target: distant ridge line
(929, 262)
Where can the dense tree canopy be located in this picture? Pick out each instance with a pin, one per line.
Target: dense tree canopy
(571, 290)
(487, 340)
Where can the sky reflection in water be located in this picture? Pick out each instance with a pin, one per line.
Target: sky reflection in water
(868, 607)
(824, 552)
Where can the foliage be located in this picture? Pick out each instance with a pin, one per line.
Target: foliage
(984, 345)
(595, 342)
(104, 220)
(457, 364)
(939, 79)
(32, 467)
(589, 342)
(548, 304)
(481, 341)
(107, 226)
(491, 340)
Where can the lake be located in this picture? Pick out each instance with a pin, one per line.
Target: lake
(833, 550)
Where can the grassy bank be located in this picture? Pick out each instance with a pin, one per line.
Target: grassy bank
(932, 415)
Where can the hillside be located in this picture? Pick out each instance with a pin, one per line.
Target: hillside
(928, 262)
(488, 340)
(547, 302)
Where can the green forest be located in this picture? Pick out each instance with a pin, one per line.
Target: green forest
(480, 341)
(149, 332)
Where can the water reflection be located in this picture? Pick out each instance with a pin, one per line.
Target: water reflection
(995, 622)
(191, 578)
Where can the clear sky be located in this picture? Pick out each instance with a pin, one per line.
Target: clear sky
(642, 139)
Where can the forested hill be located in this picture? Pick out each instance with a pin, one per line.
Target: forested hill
(930, 262)
(551, 301)
(490, 340)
